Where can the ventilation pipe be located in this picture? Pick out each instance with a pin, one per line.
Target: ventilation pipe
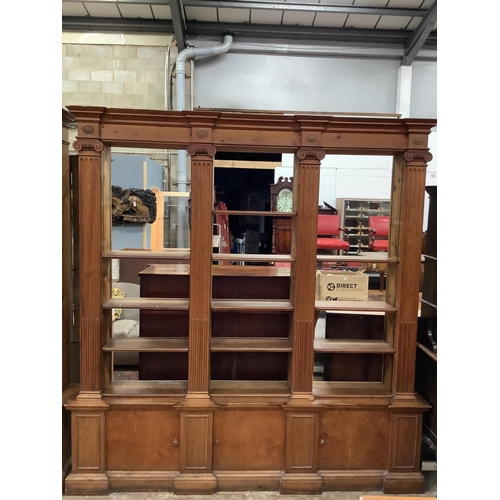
(189, 53)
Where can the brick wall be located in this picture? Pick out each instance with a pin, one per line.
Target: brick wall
(113, 71)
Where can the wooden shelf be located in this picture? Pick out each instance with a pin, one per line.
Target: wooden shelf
(246, 344)
(251, 271)
(249, 388)
(147, 303)
(259, 306)
(144, 344)
(146, 388)
(333, 389)
(353, 346)
(261, 213)
(383, 258)
(167, 254)
(352, 305)
(238, 257)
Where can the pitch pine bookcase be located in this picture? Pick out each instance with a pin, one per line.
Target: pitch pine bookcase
(226, 397)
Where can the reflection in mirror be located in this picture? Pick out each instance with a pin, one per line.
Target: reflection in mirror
(145, 209)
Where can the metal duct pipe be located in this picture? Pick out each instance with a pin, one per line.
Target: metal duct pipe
(189, 53)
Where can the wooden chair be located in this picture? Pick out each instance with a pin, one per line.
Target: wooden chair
(329, 232)
(378, 233)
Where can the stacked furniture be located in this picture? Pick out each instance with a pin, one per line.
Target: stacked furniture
(354, 213)
(230, 401)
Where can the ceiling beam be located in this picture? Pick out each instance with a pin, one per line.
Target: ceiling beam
(305, 7)
(420, 35)
(110, 24)
(295, 32)
(128, 2)
(288, 33)
(179, 23)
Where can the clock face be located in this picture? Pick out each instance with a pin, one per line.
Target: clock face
(284, 203)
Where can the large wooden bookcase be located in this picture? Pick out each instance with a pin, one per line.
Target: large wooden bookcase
(242, 410)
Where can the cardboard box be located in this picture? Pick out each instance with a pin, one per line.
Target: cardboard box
(341, 285)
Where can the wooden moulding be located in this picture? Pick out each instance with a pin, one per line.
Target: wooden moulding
(141, 480)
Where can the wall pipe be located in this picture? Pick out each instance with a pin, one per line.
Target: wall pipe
(189, 53)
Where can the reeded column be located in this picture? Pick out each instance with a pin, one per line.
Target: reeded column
(90, 240)
(303, 271)
(200, 288)
(412, 167)
(88, 410)
(302, 422)
(196, 411)
(407, 210)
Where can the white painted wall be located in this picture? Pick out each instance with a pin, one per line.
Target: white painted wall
(296, 83)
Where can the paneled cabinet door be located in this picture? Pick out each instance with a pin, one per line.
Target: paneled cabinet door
(249, 440)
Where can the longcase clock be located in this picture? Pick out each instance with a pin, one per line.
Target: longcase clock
(282, 201)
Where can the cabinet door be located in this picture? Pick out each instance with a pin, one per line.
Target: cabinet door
(353, 439)
(142, 440)
(249, 440)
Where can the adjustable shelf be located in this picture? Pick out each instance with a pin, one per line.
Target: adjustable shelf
(354, 305)
(353, 346)
(245, 344)
(145, 388)
(251, 305)
(167, 254)
(144, 344)
(147, 303)
(259, 213)
(238, 257)
(357, 389)
(378, 257)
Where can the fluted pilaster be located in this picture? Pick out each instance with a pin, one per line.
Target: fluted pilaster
(304, 234)
(413, 169)
(200, 288)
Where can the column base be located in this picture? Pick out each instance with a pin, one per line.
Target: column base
(404, 482)
(86, 484)
(301, 484)
(195, 484)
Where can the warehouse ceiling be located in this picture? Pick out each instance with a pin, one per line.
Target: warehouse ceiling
(408, 25)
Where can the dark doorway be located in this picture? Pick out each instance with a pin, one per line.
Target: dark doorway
(247, 189)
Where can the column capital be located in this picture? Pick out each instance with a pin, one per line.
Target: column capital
(88, 146)
(310, 154)
(418, 155)
(201, 150)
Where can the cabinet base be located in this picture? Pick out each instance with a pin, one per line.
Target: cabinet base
(195, 484)
(248, 480)
(404, 482)
(141, 480)
(86, 484)
(352, 480)
(300, 484)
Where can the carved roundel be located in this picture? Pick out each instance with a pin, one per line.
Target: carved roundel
(202, 134)
(88, 129)
(418, 140)
(311, 138)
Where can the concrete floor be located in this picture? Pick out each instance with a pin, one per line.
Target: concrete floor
(429, 470)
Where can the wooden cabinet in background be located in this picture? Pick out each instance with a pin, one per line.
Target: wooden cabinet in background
(354, 213)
